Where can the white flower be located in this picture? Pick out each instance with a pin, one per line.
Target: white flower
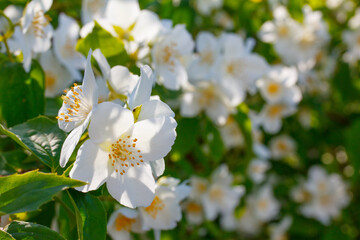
(119, 151)
(206, 96)
(264, 204)
(257, 169)
(352, 40)
(168, 53)
(164, 211)
(326, 195)
(278, 231)
(122, 222)
(4, 220)
(35, 33)
(76, 111)
(65, 39)
(199, 186)
(280, 86)
(239, 67)
(92, 9)
(13, 13)
(194, 212)
(231, 134)
(205, 61)
(271, 116)
(248, 223)
(220, 196)
(282, 146)
(206, 6)
(57, 78)
(118, 81)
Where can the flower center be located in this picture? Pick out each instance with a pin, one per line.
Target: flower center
(156, 206)
(123, 223)
(68, 48)
(273, 88)
(193, 207)
(282, 146)
(263, 204)
(50, 80)
(76, 104)
(216, 194)
(207, 57)
(39, 22)
(167, 54)
(207, 96)
(124, 154)
(234, 68)
(275, 110)
(283, 31)
(95, 5)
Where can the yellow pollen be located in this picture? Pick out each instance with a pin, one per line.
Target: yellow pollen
(156, 206)
(123, 223)
(282, 146)
(194, 208)
(50, 80)
(216, 194)
(273, 88)
(283, 31)
(275, 110)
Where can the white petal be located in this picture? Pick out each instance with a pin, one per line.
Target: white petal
(147, 26)
(155, 108)
(71, 141)
(189, 106)
(136, 188)
(142, 91)
(103, 64)
(210, 208)
(89, 85)
(122, 13)
(158, 167)
(122, 80)
(155, 137)
(109, 122)
(91, 166)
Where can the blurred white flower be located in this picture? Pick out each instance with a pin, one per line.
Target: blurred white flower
(264, 205)
(352, 40)
(206, 6)
(257, 170)
(35, 31)
(239, 67)
(278, 230)
(122, 222)
(231, 134)
(164, 212)
(221, 197)
(326, 195)
(271, 116)
(76, 111)
(282, 146)
(57, 78)
(279, 85)
(168, 55)
(65, 39)
(249, 224)
(194, 212)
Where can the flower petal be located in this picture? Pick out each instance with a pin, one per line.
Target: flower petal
(91, 166)
(155, 108)
(155, 137)
(134, 189)
(71, 141)
(89, 85)
(122, 80)
(109, 122)
(158, 167)
(142, 91)
(103, 63)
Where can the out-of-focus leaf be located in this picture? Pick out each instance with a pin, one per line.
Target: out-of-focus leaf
(353, 147)
(187, 134)
(112, 47)
(41, 136)
(11, 161)
(5, 236)
(244, 123)
(27, 192)
(214, 142)
(31, 231)
(22, 94)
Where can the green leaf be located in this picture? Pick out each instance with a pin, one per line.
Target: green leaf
(353, 147)
(90, 216)
(41, 136)
(31, 231)
(22, 94)
(187, 134)
(27, 192)
(214, 141)
(5, 236)
(112, 47)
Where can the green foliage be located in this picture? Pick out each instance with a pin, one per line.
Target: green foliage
(41, 136)
(111, 47)
(22, 94)
(31, 231)
(27, 192)
(5, 236)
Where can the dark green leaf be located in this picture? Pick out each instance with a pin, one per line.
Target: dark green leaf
(27, 192)
(22, 94)
(31, 231)
(41, 136)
